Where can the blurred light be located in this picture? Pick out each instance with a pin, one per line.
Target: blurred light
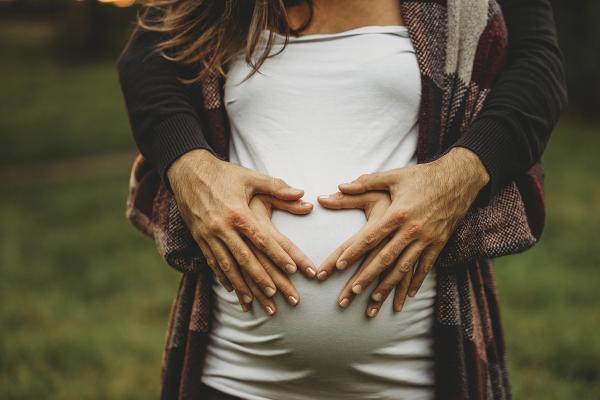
(118, 3)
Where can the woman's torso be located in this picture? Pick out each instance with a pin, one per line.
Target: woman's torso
(327, 109)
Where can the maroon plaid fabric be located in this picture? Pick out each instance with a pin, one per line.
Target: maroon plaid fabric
(461, 46)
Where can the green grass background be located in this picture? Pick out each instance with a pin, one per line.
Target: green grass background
(85, 298)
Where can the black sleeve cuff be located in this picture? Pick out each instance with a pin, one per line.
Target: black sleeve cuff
(490, 140)
(174, 137)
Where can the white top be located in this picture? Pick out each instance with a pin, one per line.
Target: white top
(327, 109)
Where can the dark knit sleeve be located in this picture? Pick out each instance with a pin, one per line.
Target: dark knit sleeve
(513, 128)
(163, 111)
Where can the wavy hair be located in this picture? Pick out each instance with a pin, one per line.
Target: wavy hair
(208, 33)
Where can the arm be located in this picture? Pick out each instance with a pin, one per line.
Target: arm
(427, 201)
(211, 194)
(514, 126)
(163, 112)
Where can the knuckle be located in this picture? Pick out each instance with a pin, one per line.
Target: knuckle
(398, 217)
(414, 230)
(427, 237)
(243, 257)
(258, 239)
(439, 241)
(216, 226)
(387, 258)
(261, 281)
(405, 266)
(226, 266)
(369, 239)
(235, 216)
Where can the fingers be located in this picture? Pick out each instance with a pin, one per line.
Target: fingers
(212, 263)
(402, 291)
(274, 186)
(265, 242)
(368, 237)
(338, 201)
(298, 207)
(282, 281)
(425, 264)
(404, 265)
(267, 304)
(248, 262)
(383, 260)
(328, 266)
(365, 182)
(300, 259)
(230, 268)
(347, 295)
(304, 263)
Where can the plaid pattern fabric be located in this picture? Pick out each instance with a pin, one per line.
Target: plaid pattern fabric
(461, 45)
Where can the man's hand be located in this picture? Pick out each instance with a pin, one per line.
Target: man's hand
(374, 203)
(427, 201)
(214, 198)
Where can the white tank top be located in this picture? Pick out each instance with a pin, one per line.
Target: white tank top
(327, 109)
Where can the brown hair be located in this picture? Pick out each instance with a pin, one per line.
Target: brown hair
(208, 33)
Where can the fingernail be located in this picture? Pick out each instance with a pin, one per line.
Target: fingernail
(269, 291)
(306, 204)
(341, 264)
(270, 310)
(322, 275)
(376, 296)
(344, 302)
(293, 300)
(295, 191)
(246, 298)
(311, 272)
(245, 308)
(291, 268)
(324, 196)
(372, 312)
(412, 293)
(357, 288)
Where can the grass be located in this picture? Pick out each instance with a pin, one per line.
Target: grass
(549, 294)
(85, 298)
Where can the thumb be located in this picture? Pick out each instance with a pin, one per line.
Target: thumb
(275, 187)
(366, 182)
(299, 207)
(340, 200)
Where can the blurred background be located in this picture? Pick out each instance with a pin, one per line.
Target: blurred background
(84, 298)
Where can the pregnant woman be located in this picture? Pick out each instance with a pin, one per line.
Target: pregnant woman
(369, 109)
(356, 94)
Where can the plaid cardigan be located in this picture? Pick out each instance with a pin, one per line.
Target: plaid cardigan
(461, 46)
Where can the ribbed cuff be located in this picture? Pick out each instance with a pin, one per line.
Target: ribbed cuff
(490, 140)
(174, 137)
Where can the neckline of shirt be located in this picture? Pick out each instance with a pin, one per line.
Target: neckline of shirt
(400, 30)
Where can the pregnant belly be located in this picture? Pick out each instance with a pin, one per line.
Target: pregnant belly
(317, 335)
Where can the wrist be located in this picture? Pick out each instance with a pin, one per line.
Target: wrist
(467, 164)
(193, 160)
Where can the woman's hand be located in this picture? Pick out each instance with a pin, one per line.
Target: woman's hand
(214, 197)
(427, 201)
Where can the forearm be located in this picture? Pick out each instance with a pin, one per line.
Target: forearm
(513, 128)
(163, 111)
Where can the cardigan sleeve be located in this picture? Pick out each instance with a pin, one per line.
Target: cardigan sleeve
(163, 112)
(511, 132)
